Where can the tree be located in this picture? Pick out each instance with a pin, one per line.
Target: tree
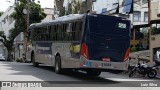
(60, 8)
(77, 7)
(9, 41)
(69, 11)
(1, 13)
(36, 15)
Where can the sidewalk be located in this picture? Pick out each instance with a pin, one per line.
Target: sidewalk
(158, 73)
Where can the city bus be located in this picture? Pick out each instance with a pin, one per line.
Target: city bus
(88, 42)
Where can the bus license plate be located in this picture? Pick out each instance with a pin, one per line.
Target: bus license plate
(106, 59)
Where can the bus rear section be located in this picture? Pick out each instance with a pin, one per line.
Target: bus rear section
(106, 42)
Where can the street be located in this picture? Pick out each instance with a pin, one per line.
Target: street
(12, 71)
(87, 43)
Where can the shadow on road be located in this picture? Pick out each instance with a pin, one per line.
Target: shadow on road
(47, 74)
(81, 79)
(26, 72)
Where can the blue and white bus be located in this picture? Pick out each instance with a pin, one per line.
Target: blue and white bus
(85, 42)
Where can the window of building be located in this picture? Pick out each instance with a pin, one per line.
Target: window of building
(146, 16)
(144, 1)
(137, 16)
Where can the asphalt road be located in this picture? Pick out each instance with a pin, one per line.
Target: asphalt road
(12, 71)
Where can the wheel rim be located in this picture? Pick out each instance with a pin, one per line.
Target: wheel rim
(57, 66)
(152, 74)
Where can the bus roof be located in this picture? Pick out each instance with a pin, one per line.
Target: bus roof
(59, 20)
(65, 19)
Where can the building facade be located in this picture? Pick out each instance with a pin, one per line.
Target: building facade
(7, 23)
(155, 20)
(65, 7)
(49, 12)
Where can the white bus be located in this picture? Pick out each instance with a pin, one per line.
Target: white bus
(85, 42)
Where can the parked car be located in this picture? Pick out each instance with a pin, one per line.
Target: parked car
(2, 57)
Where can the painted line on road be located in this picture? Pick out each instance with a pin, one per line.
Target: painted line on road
(119, 79)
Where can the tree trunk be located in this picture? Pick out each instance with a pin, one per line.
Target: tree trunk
(9, 57)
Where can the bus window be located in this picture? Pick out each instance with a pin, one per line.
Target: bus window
(64, 32)
(69, 31)
(53, 33)
(78, 30)
(59, 33)
(73, 31)
(49, 33)
(42, 34)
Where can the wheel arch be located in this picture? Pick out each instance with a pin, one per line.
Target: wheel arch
(57, 54)
(32, 53)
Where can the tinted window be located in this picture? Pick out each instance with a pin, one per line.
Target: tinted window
(108, 25)
(60, 32)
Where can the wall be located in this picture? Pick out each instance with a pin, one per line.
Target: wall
(6, 21)
(155, 43)
(6, 24)
(154, 10)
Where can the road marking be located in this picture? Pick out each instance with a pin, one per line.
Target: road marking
(121, 79)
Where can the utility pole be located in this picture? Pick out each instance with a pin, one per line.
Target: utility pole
(150, 31)
(25, 33)
(28, 14)
(149, 22)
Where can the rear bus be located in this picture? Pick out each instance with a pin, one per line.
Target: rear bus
(105, 43)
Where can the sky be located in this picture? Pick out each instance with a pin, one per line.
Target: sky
(44, 3)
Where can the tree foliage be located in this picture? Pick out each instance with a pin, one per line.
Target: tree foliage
(60, 7)
(36, 15)
(35, 11)
(77, 7)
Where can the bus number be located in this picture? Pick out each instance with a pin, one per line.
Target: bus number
(122, 25)
(106, 64)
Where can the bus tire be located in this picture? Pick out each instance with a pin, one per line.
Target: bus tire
(58, 68)
(35, 64)
(93, 72)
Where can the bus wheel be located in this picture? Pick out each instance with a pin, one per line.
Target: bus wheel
(35, 64)
(58, 68)
(93, 72)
